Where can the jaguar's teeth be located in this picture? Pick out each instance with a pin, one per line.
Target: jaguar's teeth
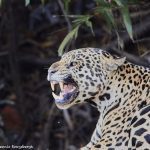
(61, 84)
(55, 96)
(52, 86)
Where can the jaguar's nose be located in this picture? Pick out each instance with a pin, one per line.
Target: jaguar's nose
(50, 73)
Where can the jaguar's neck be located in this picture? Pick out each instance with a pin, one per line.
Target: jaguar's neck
(123, 84)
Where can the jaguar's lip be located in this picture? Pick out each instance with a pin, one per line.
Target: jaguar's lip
(68, 91)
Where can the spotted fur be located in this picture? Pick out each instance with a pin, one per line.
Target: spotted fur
(121, 92)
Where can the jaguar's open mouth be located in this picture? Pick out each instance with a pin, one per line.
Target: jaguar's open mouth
(65, 91)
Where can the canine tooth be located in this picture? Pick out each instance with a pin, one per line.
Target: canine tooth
(55, 96)
(61, 85)
(52, 86)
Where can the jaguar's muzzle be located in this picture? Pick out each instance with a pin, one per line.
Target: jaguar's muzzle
(64, 91)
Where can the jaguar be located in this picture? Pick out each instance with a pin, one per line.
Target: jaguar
(120, 91)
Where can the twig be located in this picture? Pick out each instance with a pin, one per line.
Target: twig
(68, 119)
(44, 143)
(12, 57)
(65, 15)
(68, 23)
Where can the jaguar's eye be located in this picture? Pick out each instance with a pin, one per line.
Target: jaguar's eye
(73, 64)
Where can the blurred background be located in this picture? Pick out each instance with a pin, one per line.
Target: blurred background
(33, 35)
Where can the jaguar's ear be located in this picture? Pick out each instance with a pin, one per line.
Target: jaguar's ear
(113, 64)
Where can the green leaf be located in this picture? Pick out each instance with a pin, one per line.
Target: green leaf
(27, 2)
(72, 34)
(108, 15)
(120, 3)
(0, 3)
(89, 24)
(81, 19)
(84, 19)
(127, 20)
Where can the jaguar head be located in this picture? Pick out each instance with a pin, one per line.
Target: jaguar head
(80, 75)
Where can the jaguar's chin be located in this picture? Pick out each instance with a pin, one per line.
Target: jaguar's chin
(64, 92)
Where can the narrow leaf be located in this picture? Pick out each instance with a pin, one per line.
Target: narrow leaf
(0, 3)
(89, 24)
(27, 2)
(72, 34)
(119, 3)
(108, 15)
(127, 20)
(111, 18)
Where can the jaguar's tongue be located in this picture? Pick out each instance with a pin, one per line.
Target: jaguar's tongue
(68, 88)
(66, 91)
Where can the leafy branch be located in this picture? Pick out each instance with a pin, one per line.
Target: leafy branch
(104, 8)
(80, 20)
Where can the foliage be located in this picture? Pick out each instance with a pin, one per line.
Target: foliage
(85, 19)
(104, 8)
(69, 37)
